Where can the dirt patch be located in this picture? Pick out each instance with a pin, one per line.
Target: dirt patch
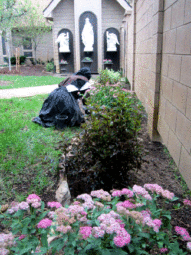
(5, 83)
(33, 70)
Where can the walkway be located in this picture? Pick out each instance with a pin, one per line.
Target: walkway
(29, 91)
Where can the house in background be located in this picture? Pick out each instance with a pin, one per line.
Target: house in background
(86, 32)
(44, 49)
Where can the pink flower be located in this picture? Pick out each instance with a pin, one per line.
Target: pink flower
(22, 237)
(183, 232)
(189, 246)
(97, 232)
(45, 223)
(4, 251)
(187, 202)
(63, 229)
(128, 204)
(54, 204)
(116, 193)
(51, 214)
(14, 207)
(129, 193)
(119, 241)
(36, 204)
(85, 232)
(163, 250)
(24, 206)
(32, 198)
(125, 90)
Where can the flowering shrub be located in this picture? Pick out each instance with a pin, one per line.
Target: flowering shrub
(110, 140)
(127, 221)
(109, 76)
(107, 61)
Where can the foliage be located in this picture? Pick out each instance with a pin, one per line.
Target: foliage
(88, 59)
(11, 12)
(28, 159)
(29, 81)
(109, 76)
(109, 147)
(13, 60)
(50, 67)
(107, 61)
(33, 31)
(129, 221)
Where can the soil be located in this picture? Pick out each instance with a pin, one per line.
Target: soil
(157, 167)
(37, 70)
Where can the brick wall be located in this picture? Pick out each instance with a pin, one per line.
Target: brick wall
(175, 96)
(159, 61)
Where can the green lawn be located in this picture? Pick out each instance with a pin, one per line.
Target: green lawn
(17, 81)
(28, 159)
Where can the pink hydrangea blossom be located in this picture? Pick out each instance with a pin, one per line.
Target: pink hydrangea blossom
(6, 240)
(32, 198)
(100, 194)
(97, 232)
(85, 232)
(129, 193)
(116, 193)
(14, 207)
(167, 194)
(119, 241)
(122, 238)
(51, 214)
(163, 250)
(187, 202)
(36, 204)
(4, 251)
(54, 204)
(126, 204)
(45, 223)
(63, 229)
(24, 206)
(188, 246)
(183, 232)
(22, 237)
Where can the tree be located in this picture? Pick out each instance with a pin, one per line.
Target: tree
(10, 11)
(33, 30)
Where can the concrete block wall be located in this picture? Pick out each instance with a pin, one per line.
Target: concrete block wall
(159, 38)
(174, 123)
(45, 48)
(63, 19)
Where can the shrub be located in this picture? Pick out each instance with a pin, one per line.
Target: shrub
(109, 76)
(127, 221)
(109, 147)
(22, 59)
(50, 67)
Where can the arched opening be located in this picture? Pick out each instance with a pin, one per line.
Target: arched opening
(65, 50)
(88, 41)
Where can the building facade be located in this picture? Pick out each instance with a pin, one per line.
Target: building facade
(86, 22)
(158, 53)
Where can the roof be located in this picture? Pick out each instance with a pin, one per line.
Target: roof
(52, 5)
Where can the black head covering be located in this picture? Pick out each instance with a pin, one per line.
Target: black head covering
(84, 71)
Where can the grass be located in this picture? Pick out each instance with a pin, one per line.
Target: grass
(28, 159)
(17, 81)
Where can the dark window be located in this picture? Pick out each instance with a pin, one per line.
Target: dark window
(27, 44)
(28, 53)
